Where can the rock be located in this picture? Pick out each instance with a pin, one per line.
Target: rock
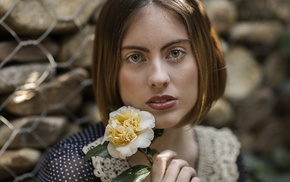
(224, 46)
(70, 129)
(19, 161)
(284, 43)
(28, 52)
(58, 96)
(52, 15)
(96, 13)
(77, 49)
(33, 131)
(259, 169)
(247, 140)
(222, 13)
(281, 158)
(91, 113)
(254, 10)
(275, 70)
(244, 74)
(27, 75)
(253, 111)
(270, 137)
(287, 128)
(283, 101)
(264, 9)
(221, 114)
(258, 32)
(280, 9)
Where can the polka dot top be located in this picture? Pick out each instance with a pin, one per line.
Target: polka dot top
(65, 160)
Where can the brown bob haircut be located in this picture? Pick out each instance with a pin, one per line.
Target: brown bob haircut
(114, 19)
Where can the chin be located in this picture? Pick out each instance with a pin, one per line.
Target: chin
(165, 125)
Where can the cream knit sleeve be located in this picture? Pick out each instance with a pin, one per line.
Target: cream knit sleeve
(218, 152)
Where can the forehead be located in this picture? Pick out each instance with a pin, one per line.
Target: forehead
(154, 22)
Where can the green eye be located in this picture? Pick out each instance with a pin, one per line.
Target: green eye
(175, 53)
(134, 58)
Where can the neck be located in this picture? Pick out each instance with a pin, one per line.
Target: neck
(181, 140)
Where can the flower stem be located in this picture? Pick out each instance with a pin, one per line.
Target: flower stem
(149, 153)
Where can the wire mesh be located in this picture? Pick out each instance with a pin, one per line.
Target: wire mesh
(45, 85)
(37, 83)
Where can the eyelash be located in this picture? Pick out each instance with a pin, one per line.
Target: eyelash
(169, 56)
(180, 51)
(129, 58)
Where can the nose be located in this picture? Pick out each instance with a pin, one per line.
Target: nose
(158, 75)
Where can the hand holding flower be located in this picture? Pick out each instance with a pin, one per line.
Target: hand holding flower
(128, 130)
(167, 167)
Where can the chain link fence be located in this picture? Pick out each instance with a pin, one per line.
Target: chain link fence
(45, 85)
(45, 88)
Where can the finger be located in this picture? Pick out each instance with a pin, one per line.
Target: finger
(160, 163)
(186, 174)
(173, 170)
(195, 179)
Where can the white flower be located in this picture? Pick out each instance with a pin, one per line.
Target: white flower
(128, 129)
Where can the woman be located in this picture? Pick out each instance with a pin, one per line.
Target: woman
(160, 56)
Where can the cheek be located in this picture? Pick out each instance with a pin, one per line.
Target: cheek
(189, 83)
(123, 82)
(189, 76)
(127, 83)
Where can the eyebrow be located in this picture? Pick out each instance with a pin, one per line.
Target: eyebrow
(144, 49)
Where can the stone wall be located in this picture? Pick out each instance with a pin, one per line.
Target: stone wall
(46, 94)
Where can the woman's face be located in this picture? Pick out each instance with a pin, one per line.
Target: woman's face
(158, 71)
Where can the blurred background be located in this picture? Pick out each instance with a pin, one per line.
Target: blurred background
(46, 90)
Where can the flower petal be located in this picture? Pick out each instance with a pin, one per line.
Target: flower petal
(144, 139)
(114, 153)
(105, 138)
(140, 123)
(128, 150)
(133, 108)
(147, 120)
(113, 114)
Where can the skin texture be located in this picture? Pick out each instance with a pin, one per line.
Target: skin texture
(168, 169)
(111, 27)
(157, 60)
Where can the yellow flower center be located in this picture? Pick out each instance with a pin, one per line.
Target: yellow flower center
(123, 128)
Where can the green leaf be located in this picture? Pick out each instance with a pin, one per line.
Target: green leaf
(134, 174)
(149, 153)
(157, 133)
(114, 107)
(152, 152)
(100, 150)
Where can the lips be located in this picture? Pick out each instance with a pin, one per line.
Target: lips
(162, 102)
